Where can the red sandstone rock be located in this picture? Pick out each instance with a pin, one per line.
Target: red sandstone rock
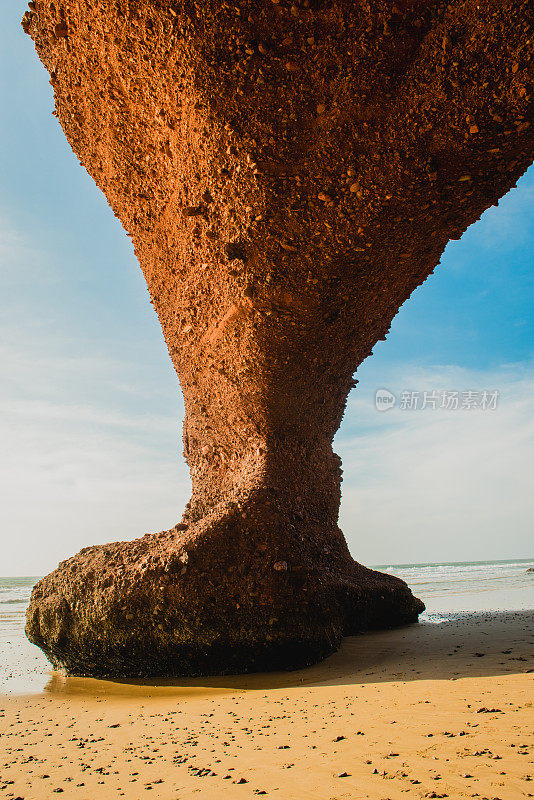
(289, 174)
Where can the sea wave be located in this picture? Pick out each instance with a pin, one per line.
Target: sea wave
(18, 601)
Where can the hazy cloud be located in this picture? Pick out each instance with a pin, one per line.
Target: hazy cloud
(75, 474)
(439, 485)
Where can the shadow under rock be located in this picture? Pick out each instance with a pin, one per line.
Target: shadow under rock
(440, 647)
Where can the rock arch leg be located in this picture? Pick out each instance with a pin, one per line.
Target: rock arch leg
(289, 174)
(256, 576)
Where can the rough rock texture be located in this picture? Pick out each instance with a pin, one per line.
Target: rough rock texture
(289, 174)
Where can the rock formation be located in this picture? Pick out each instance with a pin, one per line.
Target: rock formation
(289, 173)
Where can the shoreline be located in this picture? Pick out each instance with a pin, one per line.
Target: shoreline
(447, 589)
(397, 711)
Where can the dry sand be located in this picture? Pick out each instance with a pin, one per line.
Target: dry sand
(425, 711)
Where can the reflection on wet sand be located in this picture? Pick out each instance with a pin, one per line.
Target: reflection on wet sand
(370, 658)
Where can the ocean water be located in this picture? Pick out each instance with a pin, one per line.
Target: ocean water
(451, 587)
(23, 668)
(446, 589)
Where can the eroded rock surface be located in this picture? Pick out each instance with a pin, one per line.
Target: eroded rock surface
(289, 173)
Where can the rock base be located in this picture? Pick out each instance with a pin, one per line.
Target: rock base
(171, 604)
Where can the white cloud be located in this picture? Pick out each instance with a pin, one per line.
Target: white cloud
(80, 466)
(74, 475)
(90, 441)
(439, 485)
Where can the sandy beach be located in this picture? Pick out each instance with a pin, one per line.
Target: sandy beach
(431, 710)
(283, 178)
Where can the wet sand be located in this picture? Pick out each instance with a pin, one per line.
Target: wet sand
(431, 710)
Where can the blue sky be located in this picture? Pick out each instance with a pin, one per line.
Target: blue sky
(90, 409)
